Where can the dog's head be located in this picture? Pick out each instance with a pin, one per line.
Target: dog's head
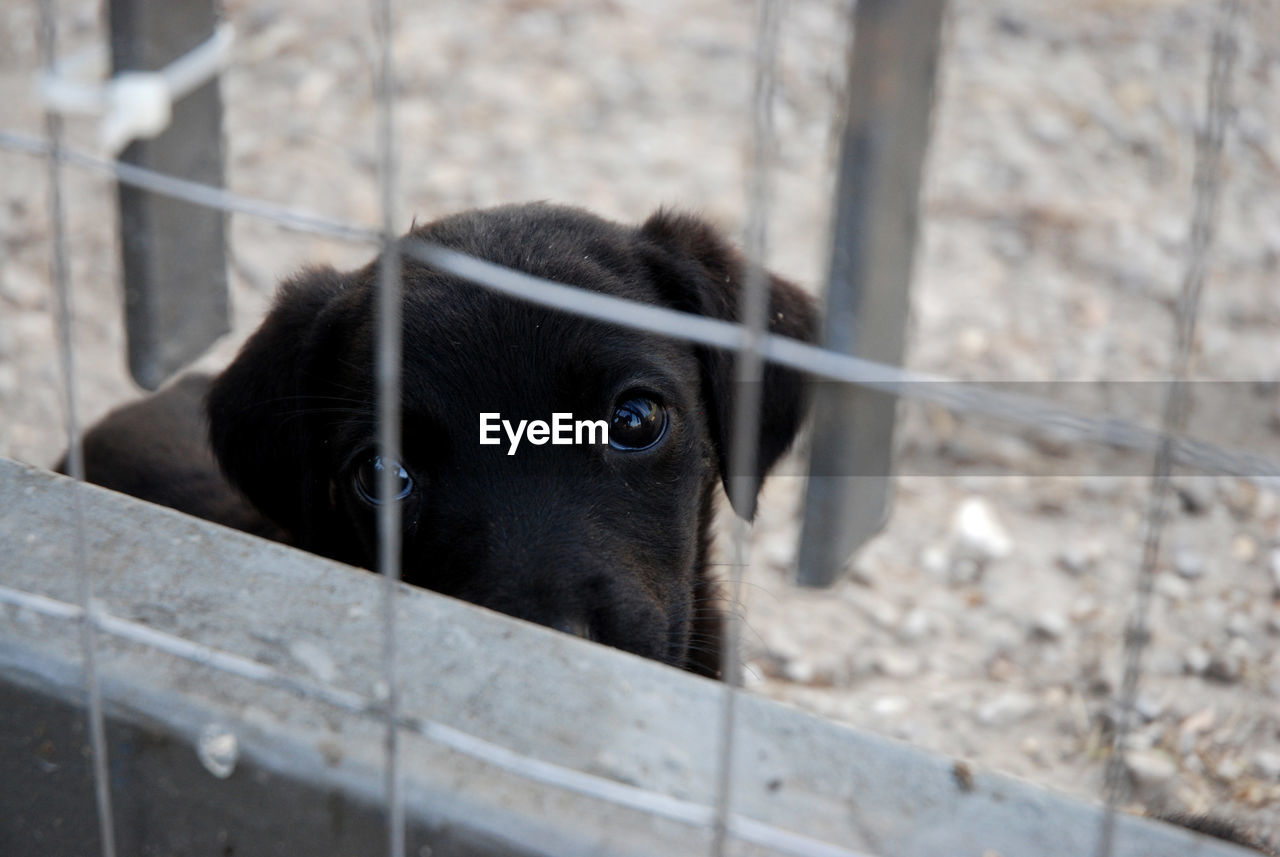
(607, 540)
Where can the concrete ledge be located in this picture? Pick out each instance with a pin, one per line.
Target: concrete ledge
(516, 739)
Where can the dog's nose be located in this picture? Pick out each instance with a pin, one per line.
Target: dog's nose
(576, 627)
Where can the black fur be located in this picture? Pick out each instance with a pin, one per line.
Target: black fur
(612, 544)
(1219, 828)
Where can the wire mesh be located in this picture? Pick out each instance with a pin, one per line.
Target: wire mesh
(388, 405)
(75, 452)
(531, 769)
(1177, 402)
(746, 413)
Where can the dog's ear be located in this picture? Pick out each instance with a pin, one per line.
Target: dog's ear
(698, 271)
(259, 406)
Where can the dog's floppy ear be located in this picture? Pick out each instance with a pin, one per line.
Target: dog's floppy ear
(257, 407)
(699, 271)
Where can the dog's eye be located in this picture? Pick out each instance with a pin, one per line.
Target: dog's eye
(638, 422)
(370, 471)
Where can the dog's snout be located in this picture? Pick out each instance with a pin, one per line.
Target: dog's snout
(576, 626)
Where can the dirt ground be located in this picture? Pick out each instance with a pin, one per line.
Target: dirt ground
(1056, 210)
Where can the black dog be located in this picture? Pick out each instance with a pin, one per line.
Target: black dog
(609, 541)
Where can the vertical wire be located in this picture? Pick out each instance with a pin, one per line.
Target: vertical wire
(1206, 184)
(749, 372)
(388, 394)
(75, 451)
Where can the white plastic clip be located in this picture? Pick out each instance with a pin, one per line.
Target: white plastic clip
(134, 104)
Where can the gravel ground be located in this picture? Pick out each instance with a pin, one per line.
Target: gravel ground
(985, 621)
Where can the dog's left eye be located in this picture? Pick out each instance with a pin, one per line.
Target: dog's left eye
(370, 471)
(638, 422)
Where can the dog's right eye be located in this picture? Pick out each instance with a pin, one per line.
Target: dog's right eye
(638, 422)
(370, 471)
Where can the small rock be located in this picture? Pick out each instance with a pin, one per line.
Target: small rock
(1188, 564)
(1050, 625)
(1196, 660)
(25, 289)
(1148, 708)
(1084, 609)
(883, 613)
(1035, 751)
(1244, 548)
(973, 342)
(799, 671)
(1173, 588)
(1134, 95)
(859, 572)
(977, 532)
(916, 625)
(312, 90)
(1195, 494)
(1230, 769)
(1099, 677)
(1009, 24)
(935, 561)
(1050, 128)
(758, 672)
(965, 571)
(1213, 613)
(1228, 665)
(889, 706)
(778, 551)
(1150, 769)
(1238, 625)
(1006, 709)
(1076, 560)
(1265, 765)
(1141, 739)
(1000, 668)
(1240, 495)
(1273, 567)
(781, 651)
(218, 750)
(897, 664)
(1197, 724)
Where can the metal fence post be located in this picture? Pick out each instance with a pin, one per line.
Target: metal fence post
(890, 88)
(174, 253)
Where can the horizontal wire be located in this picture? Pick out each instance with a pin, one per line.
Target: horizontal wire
(193, 192)
(527, 767)
(958, 396)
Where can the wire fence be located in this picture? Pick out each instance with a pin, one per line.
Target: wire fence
(1208, 164)
(1168, 443)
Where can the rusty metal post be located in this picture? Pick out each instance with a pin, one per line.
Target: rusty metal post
(890, 92)
(174, 253)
